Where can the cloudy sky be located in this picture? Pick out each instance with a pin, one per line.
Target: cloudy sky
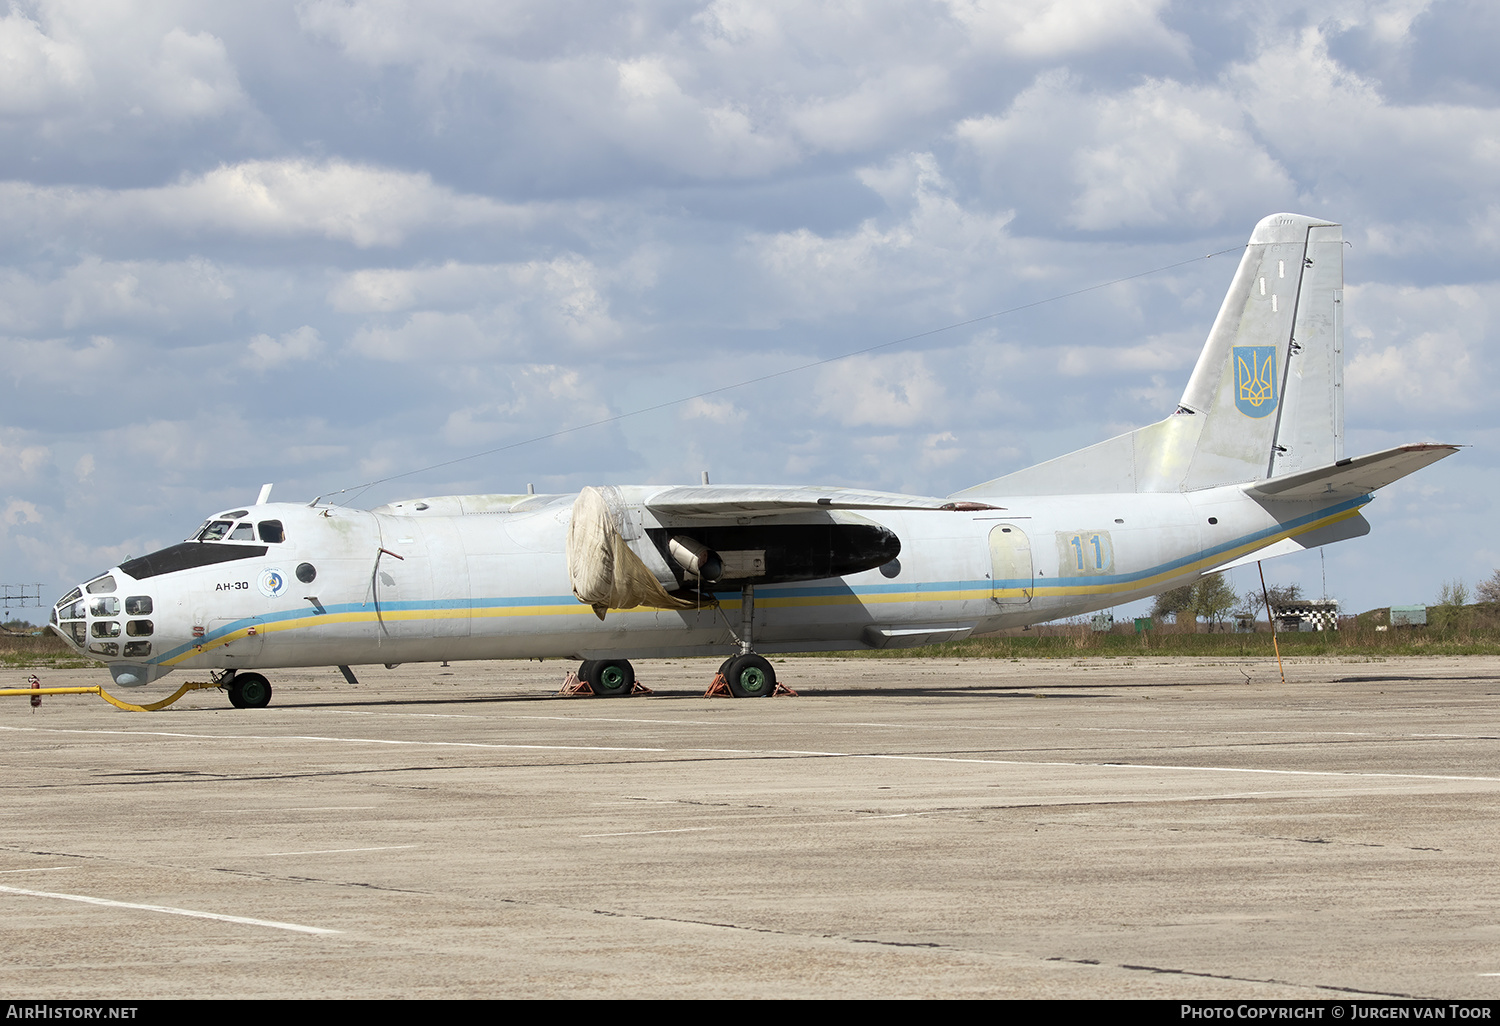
(328, 242)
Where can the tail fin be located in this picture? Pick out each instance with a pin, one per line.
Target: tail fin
(1266, 397)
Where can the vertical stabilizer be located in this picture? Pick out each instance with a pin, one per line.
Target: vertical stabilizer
(1269, 383)
(1265, 397)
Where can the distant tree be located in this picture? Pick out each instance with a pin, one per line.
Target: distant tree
(1284, 594)
(1449, 613)
(1170, 603)
(1489, 590)
(1454, 594)
(1213, 598)
(1279, 594)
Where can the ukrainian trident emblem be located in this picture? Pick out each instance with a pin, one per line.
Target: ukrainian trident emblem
(1255, 379)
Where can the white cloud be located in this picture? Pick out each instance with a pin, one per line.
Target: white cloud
(1423, 351)
(881, 391)
(462, 311)
(715, 411)
(356, 203)
(933, 238)
(91, 65)
(19, 511)
(1159, 153)
(37, 71)
(267, 353)
(148, 293)
(1054, 28)
(19, 459)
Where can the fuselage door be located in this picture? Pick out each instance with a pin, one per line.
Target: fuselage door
(1011, 581)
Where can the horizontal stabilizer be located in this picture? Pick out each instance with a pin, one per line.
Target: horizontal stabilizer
(1347, 479)
(1354, 526)
(769, 500)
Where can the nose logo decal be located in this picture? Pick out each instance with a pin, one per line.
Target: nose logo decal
(272, 582)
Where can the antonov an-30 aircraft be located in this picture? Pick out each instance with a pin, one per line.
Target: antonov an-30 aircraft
(1249, 465)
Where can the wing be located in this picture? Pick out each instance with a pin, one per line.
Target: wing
(769, 500)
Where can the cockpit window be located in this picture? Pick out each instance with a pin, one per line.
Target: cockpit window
(215, 530)
(270, 531)
(242, 532)
(186, 556)
(103, 586)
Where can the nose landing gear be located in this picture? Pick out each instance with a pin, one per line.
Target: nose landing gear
(247, 690)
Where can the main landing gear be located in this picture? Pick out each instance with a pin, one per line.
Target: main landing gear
(745, 675)
(607, 678)
(247, 690)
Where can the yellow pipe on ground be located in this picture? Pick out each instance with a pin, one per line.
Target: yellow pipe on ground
(192, 685)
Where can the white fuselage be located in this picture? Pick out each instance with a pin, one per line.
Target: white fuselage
(435, 584)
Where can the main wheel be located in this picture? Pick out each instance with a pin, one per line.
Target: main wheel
(586, 670)
(254, 691)
(751, 676)
(613, 677)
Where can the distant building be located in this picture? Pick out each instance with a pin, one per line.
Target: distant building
(1408, 616)
(1307, 615)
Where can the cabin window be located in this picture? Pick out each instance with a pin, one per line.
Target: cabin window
(242, 532)
(306, 572)
(138, 605)
(139, 628)
(106, 629)
(109, 606)
(103, 586)
(270, 531)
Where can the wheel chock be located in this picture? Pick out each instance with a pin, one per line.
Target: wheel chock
(572, 687)
(720, 686)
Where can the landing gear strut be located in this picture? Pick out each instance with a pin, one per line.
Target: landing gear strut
(747, 675)
(248, 691)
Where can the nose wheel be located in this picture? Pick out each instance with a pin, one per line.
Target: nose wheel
(248, 691)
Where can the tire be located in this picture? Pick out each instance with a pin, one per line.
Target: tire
(586, 670)
(254, 691)
(751, 676)
(613, 677)
(232, 689)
